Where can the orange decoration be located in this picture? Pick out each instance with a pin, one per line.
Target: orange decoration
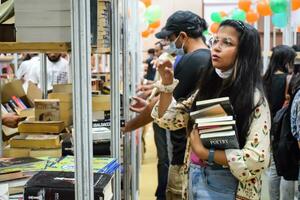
(214, 27)
(151, 30)
(298, 29)
(252, 16)
(155, 24)
(146, 33)
(223, 14)
(295, 4)
(263, 8)
(147, 2)
(244, 5)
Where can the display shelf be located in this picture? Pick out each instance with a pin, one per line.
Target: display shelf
(41, 47)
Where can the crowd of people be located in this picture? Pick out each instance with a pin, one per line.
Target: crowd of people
(228, 65)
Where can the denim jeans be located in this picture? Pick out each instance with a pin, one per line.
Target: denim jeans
(211, 184)
(160, 138)
(279, 189)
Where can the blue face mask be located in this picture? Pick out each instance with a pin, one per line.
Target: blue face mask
(172, 49)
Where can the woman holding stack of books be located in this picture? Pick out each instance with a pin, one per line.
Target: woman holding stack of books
(233, 169)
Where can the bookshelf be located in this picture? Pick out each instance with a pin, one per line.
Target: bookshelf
(41, 47)
(80, 50)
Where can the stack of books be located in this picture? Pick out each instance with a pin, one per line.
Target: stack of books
(216, 123)
(12, 176)
(36, 139)
(63, 92)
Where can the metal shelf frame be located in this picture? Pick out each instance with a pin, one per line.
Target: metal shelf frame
(130, 55)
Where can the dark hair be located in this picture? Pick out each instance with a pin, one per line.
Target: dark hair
(198, 31)
(281, 56)
(161, 46)
(151, 51)
(296, 47)
(244, 81)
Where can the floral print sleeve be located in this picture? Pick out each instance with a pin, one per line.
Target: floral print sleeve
(248, 163)
(176, 117)
(295, 116)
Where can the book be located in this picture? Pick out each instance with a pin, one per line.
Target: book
(220, 140)
(37, 153)
(211, 129)
(221, 123)
(101, 134)
(47, 109)
(62, 184)
(15, 152)
(105, 123)
(35, 141)
(8, 108)
(224, 102)
(18, 102)
(214, 110)
(213, 119)
(11, 176)
(41, 127)
(11, 163)
(206, 103)
(3, 109)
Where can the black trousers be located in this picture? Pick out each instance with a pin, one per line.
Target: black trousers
(160, 138)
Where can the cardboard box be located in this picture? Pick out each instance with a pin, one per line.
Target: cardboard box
(64, 88)
(15, 88)
(101, 103)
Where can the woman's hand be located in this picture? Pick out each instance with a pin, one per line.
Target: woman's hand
(197, 145)
(165, 69)
(139, 104)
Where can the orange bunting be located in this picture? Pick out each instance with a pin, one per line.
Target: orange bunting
(155, 24)
(223, 14)
(244, 5)
(263, 8)
(252, 16)
(214, 27)
(147, 2)
(151, 30)
(295, 4)
(146, 33)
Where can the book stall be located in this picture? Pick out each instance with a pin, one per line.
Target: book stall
(68, 142)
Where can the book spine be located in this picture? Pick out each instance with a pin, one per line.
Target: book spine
(22, 103)
(13, 105)
(3, 109)
(17, 101)
(8, 108)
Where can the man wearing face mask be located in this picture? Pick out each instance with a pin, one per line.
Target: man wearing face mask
(184, 33)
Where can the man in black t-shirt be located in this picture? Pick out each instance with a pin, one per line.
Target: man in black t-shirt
(184, 31)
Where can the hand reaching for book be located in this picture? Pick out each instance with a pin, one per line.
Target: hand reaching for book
(11, 120)
(165, 69)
